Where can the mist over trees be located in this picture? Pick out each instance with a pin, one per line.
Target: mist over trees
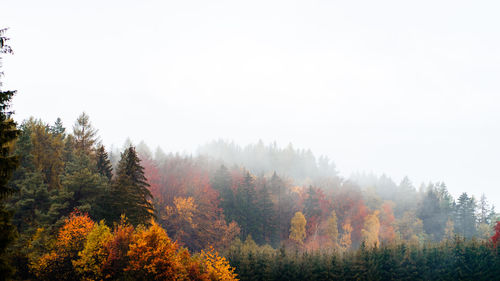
(259, 212)
(203, 202)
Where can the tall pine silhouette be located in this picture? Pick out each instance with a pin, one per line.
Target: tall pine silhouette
(8, 163)
(129, 192)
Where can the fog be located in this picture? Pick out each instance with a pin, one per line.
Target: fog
(385, 87)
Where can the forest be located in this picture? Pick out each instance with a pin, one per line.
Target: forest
(72, 209)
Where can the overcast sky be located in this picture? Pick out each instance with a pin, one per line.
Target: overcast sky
(395, 87)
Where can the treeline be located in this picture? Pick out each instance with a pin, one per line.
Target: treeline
(336, 212)
(299, 164)
(201, 203)
(453, 259)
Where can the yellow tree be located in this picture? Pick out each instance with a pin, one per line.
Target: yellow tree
(180, 216)
(332, 230)
(449, 232)
(57, 264)
(298, 228)
(47, 152)
(371, 229)
(91, 258)
(217, 267)
(345, 239)
(153, 256)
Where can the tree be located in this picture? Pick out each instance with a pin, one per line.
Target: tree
(153, 256)
(85, 134)
(266, 218)
(103, 164)
(130, 191)
(345, 239)
(298, 228)
(387, 233)
(449, 231)
(432, 215)
(57, 264)
(47, 151)
(222, 182)
(84, 183)
(332, 230)
(371, 229)
(496, 236)
(465, 216)
(58, 128)
(90, 259)
(246, 206)
(217, 267)
(8, 163)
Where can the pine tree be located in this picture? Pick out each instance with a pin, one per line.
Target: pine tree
(58, 128)
(84, 184)
(222, 182)
(85, 134)
(432, 215)
(266, 216)
(103, 164)
(245, 203)
(130, 190)
(8, 163)
(465, 217)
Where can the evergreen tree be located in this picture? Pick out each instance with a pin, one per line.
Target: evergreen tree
(103, 164)
(8, 163)
(222, 182)
(58, 128)
(84, 183)
(85, 134)
(246, 212)
(432, 215)
(129, 192)
(465, 216)
(266, 215)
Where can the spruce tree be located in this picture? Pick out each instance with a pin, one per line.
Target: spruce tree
(104, 166)
(222, 182)
(246, 209)
(129, 192)
(8, 163)
(266, 216)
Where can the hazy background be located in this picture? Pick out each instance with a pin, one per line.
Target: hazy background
(395, 87)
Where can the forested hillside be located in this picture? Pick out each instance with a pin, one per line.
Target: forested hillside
(70, 209)
(73, 212)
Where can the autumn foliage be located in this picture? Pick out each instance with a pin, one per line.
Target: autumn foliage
(496, 236)
(86, 250)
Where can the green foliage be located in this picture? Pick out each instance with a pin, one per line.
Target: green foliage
(8, 162)
(453, 260)
(103, 164)
(129, 192)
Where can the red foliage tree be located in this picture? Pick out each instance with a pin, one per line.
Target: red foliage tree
(496, 237)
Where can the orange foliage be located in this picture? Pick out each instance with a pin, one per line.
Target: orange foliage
(349, 206)
(88, 251)
(73, 233)
(217, 267)
(387, 233)
(117, 249)
(70, 240)
(153, 256)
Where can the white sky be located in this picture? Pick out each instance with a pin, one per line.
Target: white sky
(396, 87)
